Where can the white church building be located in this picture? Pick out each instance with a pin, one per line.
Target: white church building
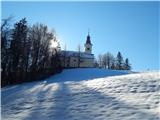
(75, 59)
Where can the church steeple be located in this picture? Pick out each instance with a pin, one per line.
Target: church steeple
(88, 44)
(88, 41)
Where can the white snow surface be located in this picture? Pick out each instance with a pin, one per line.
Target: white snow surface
(85, 94)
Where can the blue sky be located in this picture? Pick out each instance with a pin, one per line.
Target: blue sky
(129, 27)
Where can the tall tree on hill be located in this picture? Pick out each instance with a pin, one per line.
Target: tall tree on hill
(43, 52)
(109, 60)
(119, 61)
(104, 61)
(55, 65)
(112, 62)
(127, 65)
(100, 60)
(18, 50)
(40, 47)
(5, 48)
(35, 38)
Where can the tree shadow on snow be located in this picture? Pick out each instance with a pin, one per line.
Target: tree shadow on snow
(51, 107)
(62, 103)
(86, 104)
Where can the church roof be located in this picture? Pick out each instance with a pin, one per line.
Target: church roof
(88, 41)
(76, 54)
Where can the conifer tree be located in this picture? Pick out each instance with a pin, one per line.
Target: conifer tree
(127, 65)
(119, 61)
(18, 50)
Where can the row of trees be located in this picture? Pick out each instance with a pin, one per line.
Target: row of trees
(108, 61)
(26, 54)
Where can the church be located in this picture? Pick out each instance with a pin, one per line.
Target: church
(78, 59)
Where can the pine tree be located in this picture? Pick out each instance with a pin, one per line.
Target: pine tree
(18, 50)
(119, 61)
(127, 65)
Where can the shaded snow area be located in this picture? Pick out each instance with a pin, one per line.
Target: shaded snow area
(85, 94)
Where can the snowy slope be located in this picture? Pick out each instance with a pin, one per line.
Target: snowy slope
(85, 94)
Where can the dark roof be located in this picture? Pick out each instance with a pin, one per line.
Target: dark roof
(88, 41)
(76, 54)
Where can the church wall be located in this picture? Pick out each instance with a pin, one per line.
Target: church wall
(87, 63)
(73, 61)
(65, 62)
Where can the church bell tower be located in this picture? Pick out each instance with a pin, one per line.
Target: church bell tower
(88, 45)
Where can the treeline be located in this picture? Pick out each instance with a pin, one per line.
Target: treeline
(26, 54)
(108, 61)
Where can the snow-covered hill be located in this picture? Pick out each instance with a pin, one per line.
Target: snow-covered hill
(85, 94)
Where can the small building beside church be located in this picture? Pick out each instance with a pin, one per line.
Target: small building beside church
(75, 59)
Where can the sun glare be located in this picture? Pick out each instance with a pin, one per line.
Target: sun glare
(54, 44)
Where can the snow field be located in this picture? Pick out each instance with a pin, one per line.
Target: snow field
(85, 94)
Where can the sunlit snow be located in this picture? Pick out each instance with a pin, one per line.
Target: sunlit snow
(85, 94)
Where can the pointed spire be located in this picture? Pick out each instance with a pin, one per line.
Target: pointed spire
(88, 31)
(88, 41)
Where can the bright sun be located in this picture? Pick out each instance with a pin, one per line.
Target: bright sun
(54, 44)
